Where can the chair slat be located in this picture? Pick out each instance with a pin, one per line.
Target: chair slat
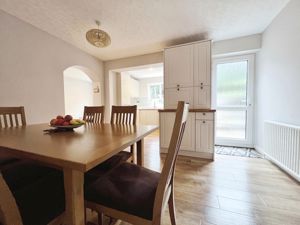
(10, 116)
(93, 114)
(16, 119)
(11, 120)
(5, 120)
(123, 114)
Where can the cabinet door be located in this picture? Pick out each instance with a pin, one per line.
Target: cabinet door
(167, 120)
(202, 97)
(204, 136)
(178, 66)
(173, 95)
(202, 63)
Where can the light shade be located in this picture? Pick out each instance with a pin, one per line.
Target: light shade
(98, 38)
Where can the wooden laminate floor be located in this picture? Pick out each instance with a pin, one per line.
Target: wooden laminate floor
(229, 191)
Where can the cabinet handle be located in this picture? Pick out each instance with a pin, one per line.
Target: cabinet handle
(203, 114)
(203, 121)
(201, 87)
(201, 83)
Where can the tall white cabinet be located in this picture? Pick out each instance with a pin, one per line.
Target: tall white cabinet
(187, 77)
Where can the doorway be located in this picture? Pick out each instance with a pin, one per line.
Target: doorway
(141, 86)
(233, 100)
(78, 91)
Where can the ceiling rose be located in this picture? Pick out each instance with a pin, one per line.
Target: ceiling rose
(97, 37)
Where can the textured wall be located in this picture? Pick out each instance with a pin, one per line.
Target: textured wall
(31, 68)
(278, 72)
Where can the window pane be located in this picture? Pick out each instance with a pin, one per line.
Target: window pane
(232, 84)
(231, 124)
(156, 95)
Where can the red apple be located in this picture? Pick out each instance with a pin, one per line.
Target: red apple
(68, 118)
(59, 122)
(66, 123)
(59, 117)
(53, 122)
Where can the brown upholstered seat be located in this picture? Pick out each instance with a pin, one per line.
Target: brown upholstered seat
(4, 160)
(41, 201)
(38, 191)
(22, 173)
(128, 187)
(106, 166)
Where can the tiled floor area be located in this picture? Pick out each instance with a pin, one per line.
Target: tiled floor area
(229, 191)
(236, 151)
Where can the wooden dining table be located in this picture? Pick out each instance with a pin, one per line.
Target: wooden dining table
(75, 152)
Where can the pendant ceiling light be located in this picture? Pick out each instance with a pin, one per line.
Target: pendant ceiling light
(97, 37)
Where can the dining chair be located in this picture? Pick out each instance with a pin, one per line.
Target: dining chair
(125, 115)
(12, 116)
(135, 194)
(30, 194)
(93, 114)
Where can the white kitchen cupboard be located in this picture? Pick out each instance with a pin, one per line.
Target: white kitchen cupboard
(188, 67)
(187, 77)
(178, 67)
(166, 127)
(202, 63)
(198, 139)
(202, 97)
(173, 95)
(205, 136)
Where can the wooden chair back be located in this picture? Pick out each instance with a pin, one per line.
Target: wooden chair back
(93, 114)
(165, 185)
(9, 211)
(123, 114)
(12, 117)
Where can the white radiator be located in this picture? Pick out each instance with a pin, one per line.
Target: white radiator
(282, 146)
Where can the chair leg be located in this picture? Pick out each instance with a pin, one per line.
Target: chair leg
(132, 153)
(100, 218)
(172, 212)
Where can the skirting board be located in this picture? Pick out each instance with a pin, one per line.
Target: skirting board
(279, 164)
(259, 150)
(203, 155)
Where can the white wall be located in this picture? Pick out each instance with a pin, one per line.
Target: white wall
(31, 69)
(130, 88)
(144, 84)
(242, 45)
(78, 92)
(278, 72)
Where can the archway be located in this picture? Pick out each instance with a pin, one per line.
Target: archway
(78, 91)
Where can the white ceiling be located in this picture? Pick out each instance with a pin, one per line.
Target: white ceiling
(144, 26)
(147, 72)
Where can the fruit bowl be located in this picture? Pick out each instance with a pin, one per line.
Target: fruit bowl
(66, 122)
(67, 127)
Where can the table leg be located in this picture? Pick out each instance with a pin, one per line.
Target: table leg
(140, 152)
(74, 181)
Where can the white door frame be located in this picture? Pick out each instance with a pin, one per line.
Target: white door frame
(248, 142)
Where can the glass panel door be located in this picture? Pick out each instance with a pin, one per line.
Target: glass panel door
(232, 98)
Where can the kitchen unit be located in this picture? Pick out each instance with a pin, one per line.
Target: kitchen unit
(187, 77)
